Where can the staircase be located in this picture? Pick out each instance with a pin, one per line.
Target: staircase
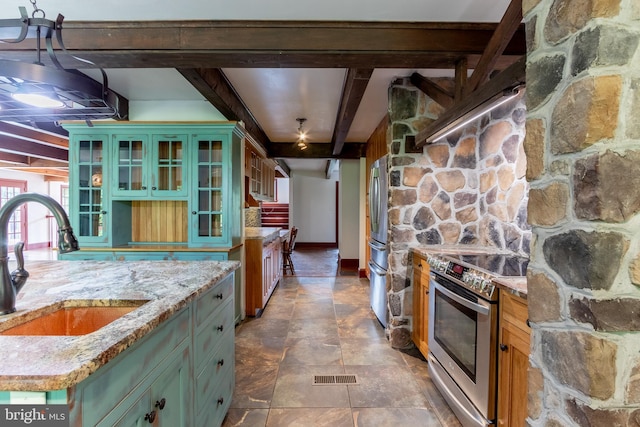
(275, 214)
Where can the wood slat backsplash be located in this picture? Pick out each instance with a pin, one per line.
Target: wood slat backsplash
(159, 221)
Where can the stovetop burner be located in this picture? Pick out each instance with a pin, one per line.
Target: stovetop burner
(498, 265)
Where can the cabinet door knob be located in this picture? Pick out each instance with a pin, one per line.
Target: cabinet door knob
(503, 347)
(221, 362)
(220, 328)
(220, 401)
(160, 403)
(154, 188)
(144, 187)
(103, 212)
(194, 213)
(151, 416)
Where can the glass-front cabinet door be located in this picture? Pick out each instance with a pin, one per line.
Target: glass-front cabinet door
(209, 224)
(89, 211)
(131, 174)
(169, 169)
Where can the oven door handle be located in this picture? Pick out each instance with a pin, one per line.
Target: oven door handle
(469, 304)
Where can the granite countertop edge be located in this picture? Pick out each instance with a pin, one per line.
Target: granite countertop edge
(45, 363)
(514, 285)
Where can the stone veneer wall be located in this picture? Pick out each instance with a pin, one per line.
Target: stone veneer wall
(469, 189)
(583, 153)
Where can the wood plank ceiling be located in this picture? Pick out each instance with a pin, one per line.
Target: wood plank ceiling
(199, 50)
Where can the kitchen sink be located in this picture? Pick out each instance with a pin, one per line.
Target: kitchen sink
(72, 317)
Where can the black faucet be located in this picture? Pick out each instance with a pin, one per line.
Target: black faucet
(12, 283)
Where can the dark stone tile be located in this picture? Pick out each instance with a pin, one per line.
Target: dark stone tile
(376, 417)
(294, 388)
(385, 387)
(304, 417)
(246, 418)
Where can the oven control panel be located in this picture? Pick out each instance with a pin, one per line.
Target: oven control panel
(475, 280)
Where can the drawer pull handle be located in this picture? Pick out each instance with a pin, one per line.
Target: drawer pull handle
(220, 401)
(160, 403)
(151, 416)
(219, 296)
(220, 362)
(503, 347)
(220, 328)
(528, 323)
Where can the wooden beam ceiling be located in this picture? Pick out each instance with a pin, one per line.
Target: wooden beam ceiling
(320, 150)
(214, 86)
(274, 44)
(352, 92)
(13, 145)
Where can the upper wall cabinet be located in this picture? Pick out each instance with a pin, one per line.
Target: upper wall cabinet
(156, 183)
(260, 172)
(149, 165)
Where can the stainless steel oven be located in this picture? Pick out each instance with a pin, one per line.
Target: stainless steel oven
(463, 331)
(462, 345)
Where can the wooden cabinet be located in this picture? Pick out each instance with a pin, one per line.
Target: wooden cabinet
(260, 172)
(263, 272)
(420, 303)
(513, 362)
(156, 183)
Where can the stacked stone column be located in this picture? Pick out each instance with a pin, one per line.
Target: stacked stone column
(468, 189)
(583, 165)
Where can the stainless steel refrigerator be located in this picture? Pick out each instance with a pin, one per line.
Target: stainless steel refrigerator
(378, 207)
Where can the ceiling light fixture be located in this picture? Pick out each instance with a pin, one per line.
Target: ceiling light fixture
(37, 91)
(302, 135)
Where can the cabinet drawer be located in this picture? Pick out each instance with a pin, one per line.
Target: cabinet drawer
(121, 377)
(217, 404)
(514, 310)
(215, 370)
(214, 298)
(212, 334)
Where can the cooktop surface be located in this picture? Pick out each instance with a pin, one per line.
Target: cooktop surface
(498, 265)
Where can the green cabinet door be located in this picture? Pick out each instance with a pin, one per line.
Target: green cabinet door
(209, 201)
(89, 193)
(149, 166)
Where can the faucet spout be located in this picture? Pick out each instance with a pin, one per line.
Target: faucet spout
(10, 284)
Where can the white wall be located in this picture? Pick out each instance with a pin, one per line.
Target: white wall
(312, 206)
(39, 228)
(282, 190)
(349, 209)
(173, 111)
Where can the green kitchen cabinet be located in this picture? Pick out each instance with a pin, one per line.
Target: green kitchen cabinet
(149, 165)
(181, 374)
(146, 183)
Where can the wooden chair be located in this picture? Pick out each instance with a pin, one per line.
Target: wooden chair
(287, 250)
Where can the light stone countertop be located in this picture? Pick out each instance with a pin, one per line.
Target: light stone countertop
(264, 233)
(41, 363)
(514, 284)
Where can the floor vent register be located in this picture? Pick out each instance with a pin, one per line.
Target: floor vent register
(335, 380)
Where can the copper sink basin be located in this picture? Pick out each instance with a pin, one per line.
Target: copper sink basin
(73, 317)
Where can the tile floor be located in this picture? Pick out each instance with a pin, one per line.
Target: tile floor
(321, 324)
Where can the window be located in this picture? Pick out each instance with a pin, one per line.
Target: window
(17, 229)
(64, 198)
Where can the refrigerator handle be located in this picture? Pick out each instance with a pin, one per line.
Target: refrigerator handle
(374, 199)
(377, 245)
(379, 271)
